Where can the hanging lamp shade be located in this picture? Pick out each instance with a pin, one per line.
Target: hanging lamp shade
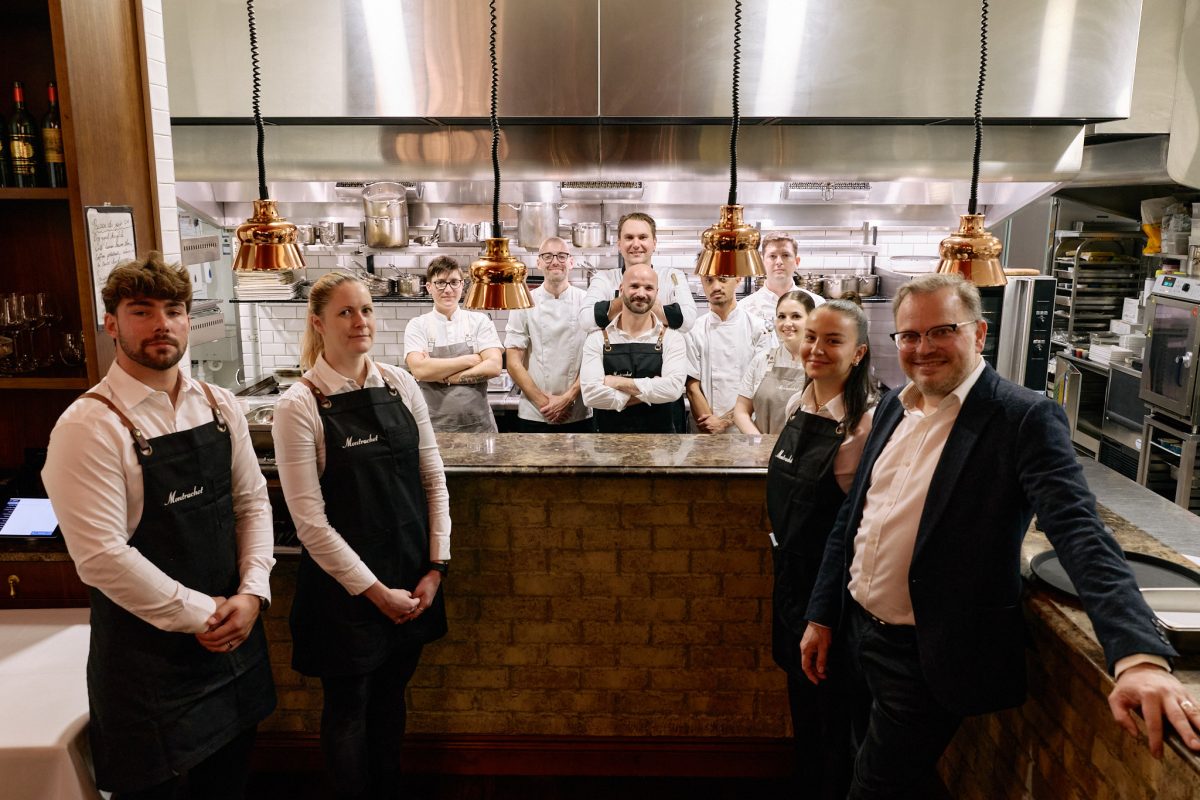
(730, 247)
(498, 279)
(973, 253)
(267, 241)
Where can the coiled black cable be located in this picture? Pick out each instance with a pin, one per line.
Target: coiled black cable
(254, 98)
(737, 121)
(495, 125)
(983, 20)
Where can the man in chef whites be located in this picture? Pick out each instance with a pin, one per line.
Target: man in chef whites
(165, 514)
(634, 369)
(781, 260)
(545, 346)
(720, 346)
(453, 353)
(637, 238)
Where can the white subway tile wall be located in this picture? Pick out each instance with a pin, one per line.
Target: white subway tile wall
(160, 116)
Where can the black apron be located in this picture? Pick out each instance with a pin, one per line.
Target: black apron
(375, 501)
(803, 498)
(160, 703)
(638, 360)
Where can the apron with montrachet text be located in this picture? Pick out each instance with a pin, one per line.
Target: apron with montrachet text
(160, 702)
(375, 501)
(457, 408)
(638, 360)
(803, 498)
(770, 400)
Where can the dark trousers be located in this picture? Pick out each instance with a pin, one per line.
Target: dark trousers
(907, 729)
(823, 758)
(530, 426)
(221, 776)
(362, 726)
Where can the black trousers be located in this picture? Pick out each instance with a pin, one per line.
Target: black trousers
(362, 727)
(823, 755)
(530, 426)
(221, 776)
(907, 729)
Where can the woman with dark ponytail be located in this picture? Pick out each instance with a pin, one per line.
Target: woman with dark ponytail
(812, 466)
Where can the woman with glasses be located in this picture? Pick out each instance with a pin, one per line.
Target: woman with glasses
(811, 468)
(364, 483)
(453, 353)
(776, 376)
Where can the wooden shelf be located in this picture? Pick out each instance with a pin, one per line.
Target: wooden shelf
(47, 382)
(35, 194)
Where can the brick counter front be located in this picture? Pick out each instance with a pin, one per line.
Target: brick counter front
(630, 600)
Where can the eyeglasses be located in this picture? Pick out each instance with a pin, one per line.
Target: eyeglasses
(940, 335)
(546, 258)
(442, 286)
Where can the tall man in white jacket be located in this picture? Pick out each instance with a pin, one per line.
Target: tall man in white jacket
(637, 238)
(165, 513)
(634, 369)
(781, 260)
(544, 347)
(721, 345)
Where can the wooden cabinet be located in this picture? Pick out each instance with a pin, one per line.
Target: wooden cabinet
(41, 584)
(94, 50)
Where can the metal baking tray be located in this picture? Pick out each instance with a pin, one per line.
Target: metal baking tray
(1178, 613)
(1151, 572)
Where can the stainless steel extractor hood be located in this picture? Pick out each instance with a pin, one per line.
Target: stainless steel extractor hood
(632, 90)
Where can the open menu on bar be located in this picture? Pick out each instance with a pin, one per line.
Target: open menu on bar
(28, 516)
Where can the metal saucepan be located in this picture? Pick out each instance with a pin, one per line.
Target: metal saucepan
(868, 285)
(834, 287)
(305, 234)
(536, 222)
(444, 229)
(409, 285)
(812, 283)
(587, 234)
(329, 232)
(385, 213)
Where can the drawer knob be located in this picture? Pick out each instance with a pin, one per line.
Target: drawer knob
(13, 580)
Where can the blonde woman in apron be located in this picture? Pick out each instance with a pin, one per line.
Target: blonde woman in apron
(774, 377)
(453, 353)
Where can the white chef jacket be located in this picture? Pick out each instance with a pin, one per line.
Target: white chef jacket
(666, 388)
(299, 438)
(432, 329)
(550, 334)
(718, 352)
(672, 288)
(94, 481)
(758, 369)
(762, 304)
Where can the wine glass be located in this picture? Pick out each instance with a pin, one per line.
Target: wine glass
(50, 315)
(9, 329)
(26, 305)
(71, 350)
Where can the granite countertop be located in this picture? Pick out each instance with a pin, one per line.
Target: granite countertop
(604, 454)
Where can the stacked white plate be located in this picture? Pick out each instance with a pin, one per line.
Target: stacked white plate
(264, 285)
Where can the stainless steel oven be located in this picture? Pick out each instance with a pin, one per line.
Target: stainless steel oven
(1172, 348)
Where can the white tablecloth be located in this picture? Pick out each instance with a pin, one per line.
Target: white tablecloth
(44, 706)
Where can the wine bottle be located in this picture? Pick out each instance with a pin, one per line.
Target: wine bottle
(52, 146)
(21, 141)
(6, 178)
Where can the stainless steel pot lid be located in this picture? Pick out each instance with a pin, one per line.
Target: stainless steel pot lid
(1151, 572)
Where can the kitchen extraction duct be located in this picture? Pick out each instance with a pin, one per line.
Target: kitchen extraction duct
(826, 191)
(601, 190)
(352, 190)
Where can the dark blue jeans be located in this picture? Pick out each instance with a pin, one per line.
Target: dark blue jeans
(907, 729)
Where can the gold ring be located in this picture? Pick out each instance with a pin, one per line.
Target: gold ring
(229, 646)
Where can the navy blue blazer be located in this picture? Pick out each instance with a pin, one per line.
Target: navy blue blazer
(1008, 456)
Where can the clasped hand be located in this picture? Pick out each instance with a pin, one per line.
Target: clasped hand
(230, 624)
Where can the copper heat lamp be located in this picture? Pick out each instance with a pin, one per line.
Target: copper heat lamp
(497, 279)
(266, 241)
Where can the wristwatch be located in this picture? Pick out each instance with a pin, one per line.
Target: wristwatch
(440, 566)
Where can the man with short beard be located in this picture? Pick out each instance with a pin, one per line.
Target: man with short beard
(634, 369)
(165, 514)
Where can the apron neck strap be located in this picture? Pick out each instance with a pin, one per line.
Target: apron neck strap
(607, 343)
(218, 417)
(322, 400)
(661, 334)
(139, 439)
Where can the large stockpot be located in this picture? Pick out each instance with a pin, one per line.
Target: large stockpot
(386, 215)
(868, 285)
(536, 222)
(834, 287)
(587, 234)
(305, 234)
